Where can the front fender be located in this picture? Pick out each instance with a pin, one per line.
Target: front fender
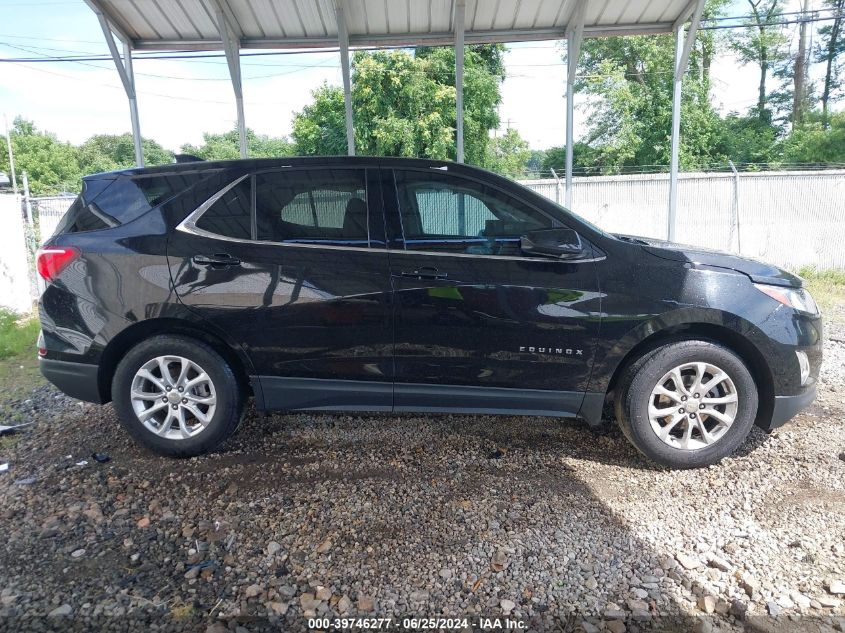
(725, 327)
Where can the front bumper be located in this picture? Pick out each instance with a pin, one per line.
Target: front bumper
(787, 407)
(78, 380)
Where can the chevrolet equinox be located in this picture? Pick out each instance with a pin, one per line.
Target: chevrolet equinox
(382, 284)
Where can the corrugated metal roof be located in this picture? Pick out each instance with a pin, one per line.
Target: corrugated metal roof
(191, 24)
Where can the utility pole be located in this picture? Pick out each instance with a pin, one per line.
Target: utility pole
(26, 199)
(11, 156)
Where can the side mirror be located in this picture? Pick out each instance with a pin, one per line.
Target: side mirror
(559, 243)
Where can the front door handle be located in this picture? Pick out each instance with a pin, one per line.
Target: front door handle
(426, 272)
(218, 260)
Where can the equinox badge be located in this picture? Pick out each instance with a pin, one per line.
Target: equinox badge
(565, 351)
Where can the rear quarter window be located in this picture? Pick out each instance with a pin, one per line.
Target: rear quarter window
(112, 201)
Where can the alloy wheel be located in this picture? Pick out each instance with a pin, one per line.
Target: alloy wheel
(692, 406)
(173, 397)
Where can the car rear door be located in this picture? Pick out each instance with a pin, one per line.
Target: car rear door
(291, 263)
(479, 326)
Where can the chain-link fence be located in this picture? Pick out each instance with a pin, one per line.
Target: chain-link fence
(46, 213)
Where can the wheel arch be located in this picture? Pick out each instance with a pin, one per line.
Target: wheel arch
(130, 336)
(717, 333)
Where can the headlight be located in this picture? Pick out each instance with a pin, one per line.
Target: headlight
(796, 298)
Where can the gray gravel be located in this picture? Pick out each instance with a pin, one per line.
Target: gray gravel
(317, 515)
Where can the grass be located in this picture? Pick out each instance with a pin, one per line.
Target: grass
(18, 359)
(17, 334)
(826, 286)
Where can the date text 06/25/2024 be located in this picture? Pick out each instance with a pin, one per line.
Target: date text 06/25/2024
(416, 624)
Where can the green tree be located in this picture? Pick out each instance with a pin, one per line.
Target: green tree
(509, 154)
(107, 152)
(632, 81)
(812, 142)
(585, 160)
(226, 146)
(746, 140)
(51, 165)
(320, 129)
(829, 51)
(762, 43)
(404, 105)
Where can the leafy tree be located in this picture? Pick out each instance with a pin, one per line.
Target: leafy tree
(812, 142)
(107, 152)
(748, 140)
(484, 70)
(320, 129)
(630, 122)
(829, 51)
(509, 154)
(400, 108)
(585, 160)
(404, 105)
(226, 146)
(51, 165)
(761, 43)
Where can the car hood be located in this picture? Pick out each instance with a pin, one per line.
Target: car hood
(759, 272)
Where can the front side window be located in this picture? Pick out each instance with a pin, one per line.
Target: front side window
(320, 205)
(445, 213)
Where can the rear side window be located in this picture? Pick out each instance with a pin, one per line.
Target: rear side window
(311, 205)
(230, 215)
(293, 205)
(109, 202)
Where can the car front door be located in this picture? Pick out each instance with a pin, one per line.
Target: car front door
(291, 264)
(479, 325)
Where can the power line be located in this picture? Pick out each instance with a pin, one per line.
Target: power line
(297, 67)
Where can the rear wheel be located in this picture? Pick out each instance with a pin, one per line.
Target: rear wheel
(177, 396)
(687, 404)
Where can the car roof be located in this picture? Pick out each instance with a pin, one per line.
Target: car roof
(294, 161)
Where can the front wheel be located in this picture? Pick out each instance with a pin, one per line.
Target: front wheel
(176, 396)
(687, 404)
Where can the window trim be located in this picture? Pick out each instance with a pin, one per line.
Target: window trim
(189, 224)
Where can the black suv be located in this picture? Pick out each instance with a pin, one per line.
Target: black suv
(383, 284)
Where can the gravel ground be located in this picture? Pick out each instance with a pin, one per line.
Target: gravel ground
(530, 519)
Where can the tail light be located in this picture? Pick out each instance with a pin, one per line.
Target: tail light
(53, 260)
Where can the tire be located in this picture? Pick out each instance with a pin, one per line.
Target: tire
(185, 420)
(719, 420)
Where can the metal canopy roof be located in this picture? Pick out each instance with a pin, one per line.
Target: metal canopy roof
(192, 24)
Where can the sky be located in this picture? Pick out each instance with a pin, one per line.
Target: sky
(178, 100)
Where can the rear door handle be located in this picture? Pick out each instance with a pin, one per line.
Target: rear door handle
(426, 272)
(218, 260)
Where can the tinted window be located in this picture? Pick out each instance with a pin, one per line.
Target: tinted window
(441, 212)
(129, 198)
(80, 216)
(322, 205)
(112, 201)
(230, 215)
